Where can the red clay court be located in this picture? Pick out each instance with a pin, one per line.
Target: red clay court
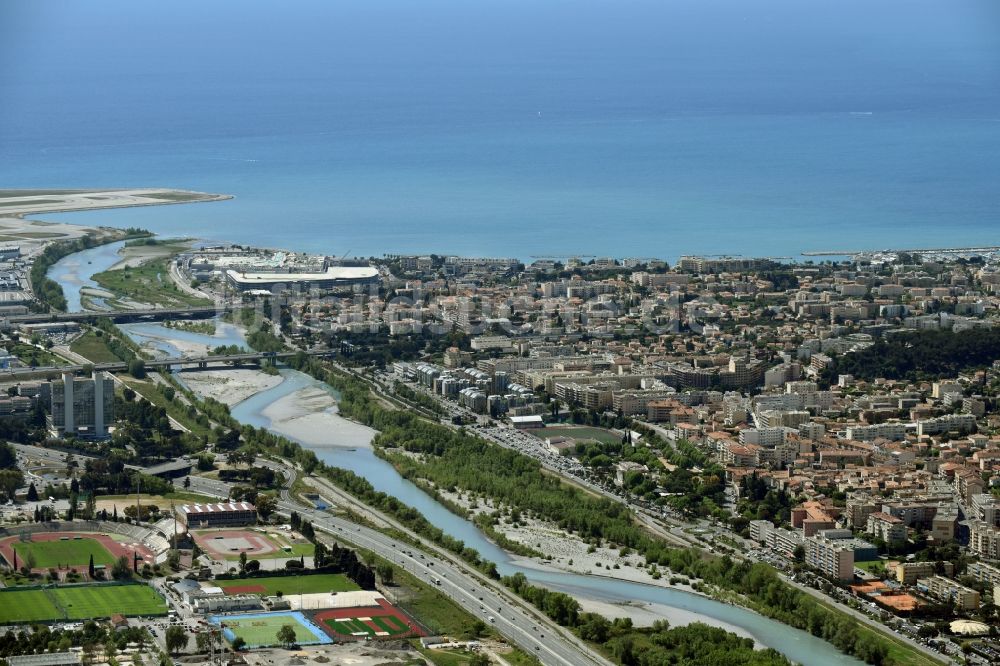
(115, 548)
(227, 543)
(382, 621)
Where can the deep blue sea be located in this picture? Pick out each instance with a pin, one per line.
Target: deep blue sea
(518, 127)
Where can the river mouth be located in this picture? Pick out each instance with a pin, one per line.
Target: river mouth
(304, 410)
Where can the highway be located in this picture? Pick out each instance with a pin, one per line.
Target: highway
(497, 607)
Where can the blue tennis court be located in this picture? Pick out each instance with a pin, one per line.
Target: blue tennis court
(261, 629)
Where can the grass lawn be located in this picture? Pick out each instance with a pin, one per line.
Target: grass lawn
(78, 603)
(447, 657)
(73, 552)
(295, 584)
(149, 283)
(162, 501)
(439, 614)
(871, 566)
(578, 432)
(94, 348)
(516, 657)
(33, 356)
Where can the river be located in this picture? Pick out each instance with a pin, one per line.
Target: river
(356, 456)
(74, 273)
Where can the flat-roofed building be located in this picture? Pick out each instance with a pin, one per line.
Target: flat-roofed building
(46, 659)
(907, 573)
(984, 540)
(945, 589)
(831, 557)
(227, 514)
(333, 277)
(890, 529)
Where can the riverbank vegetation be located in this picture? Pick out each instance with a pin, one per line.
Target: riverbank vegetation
(147, 284)
(695, 644)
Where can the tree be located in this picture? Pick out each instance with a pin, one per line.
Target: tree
(137, 368)
(238, 644)
(203, 641)
(286, 635)
(479, 659)
(10, 481)
(385, 572)
(121, 570)
(8, 457)
(176, 639)
(90, 567)
(243, 562)
(187, 482)
(32, 493)
(266, 504)
(253, 566)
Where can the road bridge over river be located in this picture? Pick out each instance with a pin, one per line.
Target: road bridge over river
(200, 362)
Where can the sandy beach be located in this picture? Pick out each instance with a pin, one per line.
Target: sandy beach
(230, 386)
(310, 415)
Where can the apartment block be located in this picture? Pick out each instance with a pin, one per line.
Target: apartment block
(890, 529)
(831, 557)
(83, 405)
(947, 590)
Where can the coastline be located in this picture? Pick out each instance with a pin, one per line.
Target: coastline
(74, 201)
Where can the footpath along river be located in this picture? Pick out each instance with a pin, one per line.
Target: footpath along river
(347, 445)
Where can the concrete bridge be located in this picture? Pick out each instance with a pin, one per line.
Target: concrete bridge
(201, 362)
(118, 316)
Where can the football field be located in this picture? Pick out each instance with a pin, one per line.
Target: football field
(82, 602)
(288, 585)
(69, 552)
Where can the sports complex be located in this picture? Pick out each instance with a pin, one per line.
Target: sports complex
(322, 608)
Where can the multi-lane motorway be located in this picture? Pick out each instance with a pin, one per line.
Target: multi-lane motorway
(495, 606)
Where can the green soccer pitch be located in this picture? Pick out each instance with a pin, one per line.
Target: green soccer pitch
(72, 552)
(83, 602)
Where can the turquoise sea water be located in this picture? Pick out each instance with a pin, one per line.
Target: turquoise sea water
(636, 128)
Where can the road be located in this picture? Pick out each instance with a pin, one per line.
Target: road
(495, 606)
